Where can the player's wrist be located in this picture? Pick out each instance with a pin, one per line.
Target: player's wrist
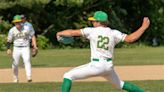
(35, 47)
(8, 45)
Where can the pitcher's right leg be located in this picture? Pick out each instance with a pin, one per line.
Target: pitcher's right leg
(112, 77)
(131, 87)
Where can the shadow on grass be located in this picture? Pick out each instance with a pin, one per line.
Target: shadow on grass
(40, 65)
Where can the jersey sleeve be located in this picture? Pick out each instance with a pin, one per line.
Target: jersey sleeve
(86, 32)
(10, 36)
(31, 31)
(119, 36)
(30, 25)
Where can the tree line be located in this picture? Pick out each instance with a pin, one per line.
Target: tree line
(51, 16)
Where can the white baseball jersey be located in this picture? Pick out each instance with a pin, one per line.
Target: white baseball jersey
(102, 40)
(29, 25)
(102, 43)
(22, 37)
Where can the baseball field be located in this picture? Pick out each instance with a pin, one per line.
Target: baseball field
(66, 58)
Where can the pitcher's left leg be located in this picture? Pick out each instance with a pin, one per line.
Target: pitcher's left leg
(81, 72)
(27, 63)
(66, 85)
(72, 75)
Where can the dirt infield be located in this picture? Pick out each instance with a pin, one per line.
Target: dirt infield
(146, 72)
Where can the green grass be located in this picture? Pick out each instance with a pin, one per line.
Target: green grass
(139, 56)
(150, 86)
(27, 87)
(76, 57)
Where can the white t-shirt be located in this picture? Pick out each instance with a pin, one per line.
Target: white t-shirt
(102, 40)
(29, 25)
(22, 37)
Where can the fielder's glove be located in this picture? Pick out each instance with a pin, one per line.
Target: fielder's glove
(66, 40)
(34, 52)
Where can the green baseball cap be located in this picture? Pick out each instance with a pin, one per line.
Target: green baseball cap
(99, 16)
(17, 18)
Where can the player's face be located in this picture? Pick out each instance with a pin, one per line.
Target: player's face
(23, 20)
(95, 23)
(18, 25)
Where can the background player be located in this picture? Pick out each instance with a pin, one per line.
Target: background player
(102, 43)
(26, 23)
(20, 35)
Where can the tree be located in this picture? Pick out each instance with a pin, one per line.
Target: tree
(51, 16)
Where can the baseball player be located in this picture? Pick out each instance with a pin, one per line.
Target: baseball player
(102, 42)
(26, 23)
(20, 35)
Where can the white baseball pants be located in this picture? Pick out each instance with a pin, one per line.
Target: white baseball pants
(96, 68)
(23, 52)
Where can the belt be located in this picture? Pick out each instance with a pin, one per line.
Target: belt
(96, 59)
(20, 46)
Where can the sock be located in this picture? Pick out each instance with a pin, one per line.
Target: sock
(131, 87)
(66, 85)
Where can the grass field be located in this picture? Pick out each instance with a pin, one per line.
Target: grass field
(75, 57)
(150, 86)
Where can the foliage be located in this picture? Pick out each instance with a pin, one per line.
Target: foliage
(51, 16)
(151, 8)
(157, 18)
(42, 42)
(3, 39)
(4, 25)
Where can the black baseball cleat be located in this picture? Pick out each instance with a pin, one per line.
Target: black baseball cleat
(29, 80)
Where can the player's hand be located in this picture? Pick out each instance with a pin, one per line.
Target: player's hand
(145, 23)
(35, 47)
(9, 52)
(58, 38)
(34, 51)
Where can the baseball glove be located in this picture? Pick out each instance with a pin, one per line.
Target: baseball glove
(34, 52)
(66, 40)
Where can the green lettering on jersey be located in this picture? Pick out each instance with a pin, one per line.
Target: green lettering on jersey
(102, 42)
(21, 35)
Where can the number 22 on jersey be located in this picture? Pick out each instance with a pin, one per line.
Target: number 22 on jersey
(103, 42)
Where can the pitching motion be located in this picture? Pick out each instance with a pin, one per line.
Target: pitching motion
(102, 42)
